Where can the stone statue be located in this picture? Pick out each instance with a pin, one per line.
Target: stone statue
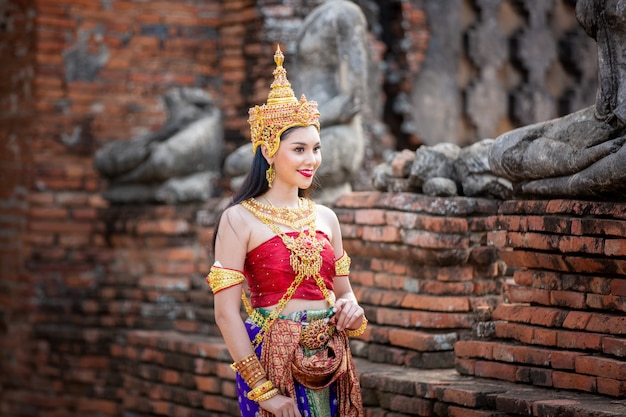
(331, 67)
(177, 163)
(583, 154)
(442, 170)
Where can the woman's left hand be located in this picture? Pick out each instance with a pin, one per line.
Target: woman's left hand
(348, 314)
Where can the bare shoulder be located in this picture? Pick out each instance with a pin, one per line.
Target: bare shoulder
(235, 219)
(235, 212)
(327, 214)
(329, 223)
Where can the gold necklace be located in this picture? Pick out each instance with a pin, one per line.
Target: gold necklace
(305, 258)
(292, 217)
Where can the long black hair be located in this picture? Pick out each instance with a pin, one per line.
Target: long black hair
(255, 183)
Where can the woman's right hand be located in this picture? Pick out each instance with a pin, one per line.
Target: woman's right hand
(281, 406)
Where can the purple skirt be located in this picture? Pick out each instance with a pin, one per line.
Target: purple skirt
(311, 403)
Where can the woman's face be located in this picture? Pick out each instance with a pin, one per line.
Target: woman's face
(298, 157)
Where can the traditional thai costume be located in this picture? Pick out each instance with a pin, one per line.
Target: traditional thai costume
(301, 354)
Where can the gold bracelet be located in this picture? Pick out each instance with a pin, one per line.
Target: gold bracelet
(236, 366)
(359, 331)
(250, 369)
(270, 394)
(221, 278)
(260, 390)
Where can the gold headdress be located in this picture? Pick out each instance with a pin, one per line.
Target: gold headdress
(282, 111)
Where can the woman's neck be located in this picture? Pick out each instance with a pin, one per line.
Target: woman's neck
(282, 200)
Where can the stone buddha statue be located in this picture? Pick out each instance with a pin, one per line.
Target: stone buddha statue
(583, 154)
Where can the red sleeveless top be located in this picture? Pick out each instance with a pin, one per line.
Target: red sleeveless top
(269, 273)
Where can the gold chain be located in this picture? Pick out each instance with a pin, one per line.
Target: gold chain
(305, 257)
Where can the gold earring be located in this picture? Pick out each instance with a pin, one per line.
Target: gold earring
(269, 175)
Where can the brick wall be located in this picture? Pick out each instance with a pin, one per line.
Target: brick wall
(17, 107)
(77, 74)
(422, 270)
(564, 324)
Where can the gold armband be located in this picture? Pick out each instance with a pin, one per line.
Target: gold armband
(342, 265)
(221, 278)
(359, 331)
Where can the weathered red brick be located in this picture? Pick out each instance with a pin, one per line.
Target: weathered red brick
(606, 302)
(532, 241)
(181, 284)
(456, 274)
(514, 331)
(414, 405)
(519, 294)
(546, 280)
(168, 227)
(474, 349)
(454, 411)
(447, 288)
(371, 217)
(563, 359)
(521, 354)
(497, 238)
(545, 337)
(577, 320)
(596, 265)
(604, 323)
(435, 303)
(585, 283)
(568, 380)
(95, 405)
(614, 346)
(465, 366)
(599, 366)
(381, 234)
(60, 227)
(390, 266)
(48, 213)
(615, 247)
(611, 387)
(581, 244)
(604, 227)
(536, 376)
(440, 320)
(569, 299)
(496, 370)
(173, 268)
(579, 340)
(214, 403)
(391, 299)
(618, 287)
(521, 258)
(424, 239)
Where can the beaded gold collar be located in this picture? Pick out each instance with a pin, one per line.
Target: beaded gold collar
(293, 217)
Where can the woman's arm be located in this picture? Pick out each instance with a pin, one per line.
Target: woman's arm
(348, 312)
(230, 252)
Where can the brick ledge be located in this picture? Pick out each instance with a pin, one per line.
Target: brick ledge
(429, 392)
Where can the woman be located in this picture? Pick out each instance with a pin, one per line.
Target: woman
(291, 354)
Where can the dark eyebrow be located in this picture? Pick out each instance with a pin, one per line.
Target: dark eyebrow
(305, 144)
